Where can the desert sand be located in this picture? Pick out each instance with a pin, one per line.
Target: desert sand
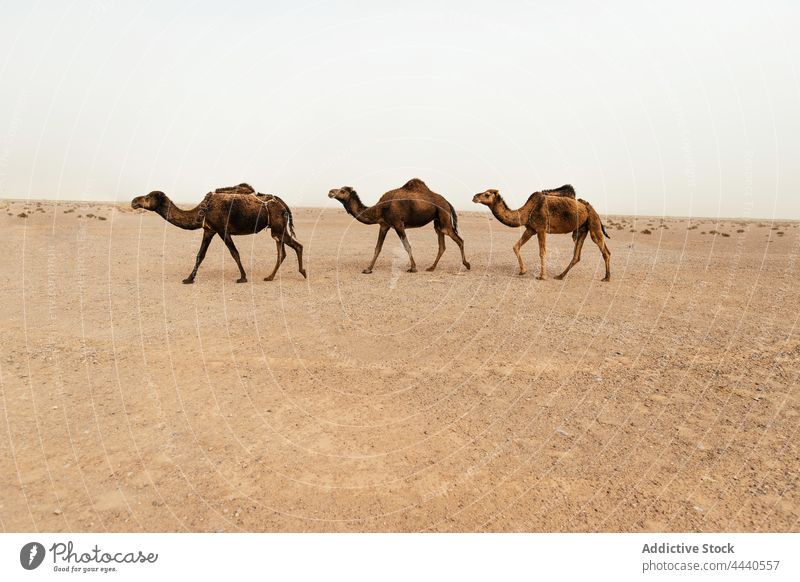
(664, 400)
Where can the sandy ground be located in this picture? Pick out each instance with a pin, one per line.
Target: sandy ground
(447, 401)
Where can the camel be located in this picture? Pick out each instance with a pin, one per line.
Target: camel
(412, 206)
(234, 210)
(554, 212)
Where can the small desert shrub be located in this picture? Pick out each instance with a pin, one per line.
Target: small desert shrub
(647, 231)
(740, 231)
(23, 215)
(724, 234)
(779, 233)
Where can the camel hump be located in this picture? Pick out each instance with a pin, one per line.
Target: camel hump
(566, 190)
(242, 188)
(415, 184)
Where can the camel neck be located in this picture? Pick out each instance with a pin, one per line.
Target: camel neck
(504, 214)
(357, 210)
(185, 219)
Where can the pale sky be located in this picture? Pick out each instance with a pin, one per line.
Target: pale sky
(663, 108)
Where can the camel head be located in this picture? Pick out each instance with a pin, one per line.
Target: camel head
(342, 194)
(488, 197)
(152, 201)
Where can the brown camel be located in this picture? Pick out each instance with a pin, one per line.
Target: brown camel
(412, 206)
(555, 212)
(235, 210)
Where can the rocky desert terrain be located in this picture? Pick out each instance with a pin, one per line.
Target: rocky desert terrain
(665, 400)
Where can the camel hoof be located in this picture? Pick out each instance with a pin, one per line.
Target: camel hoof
(303, 273)
(540, 278)
(242, 280)
(412, 270)
(269, 278)
(467, 266)
(429, 269)
(558, 277)
(367, 271)
(606, 279)
(521, 273)
(188, 281)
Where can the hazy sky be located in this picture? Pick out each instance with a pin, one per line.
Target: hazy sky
(651, 108)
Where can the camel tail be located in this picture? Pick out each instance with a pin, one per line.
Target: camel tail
(593, 211)
(290, 221)
(287, 212)
(454, 217)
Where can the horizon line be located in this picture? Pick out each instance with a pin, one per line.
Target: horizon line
(476, 211)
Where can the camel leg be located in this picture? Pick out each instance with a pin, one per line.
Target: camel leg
(279, 260)
(440, 234)
(298, 249)
(597, 237)
(451, 232)
(576, 255)
(401, 232)
(526, 236)
(542, 236)
(378, 247)
(235, 254)
(208, 235)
